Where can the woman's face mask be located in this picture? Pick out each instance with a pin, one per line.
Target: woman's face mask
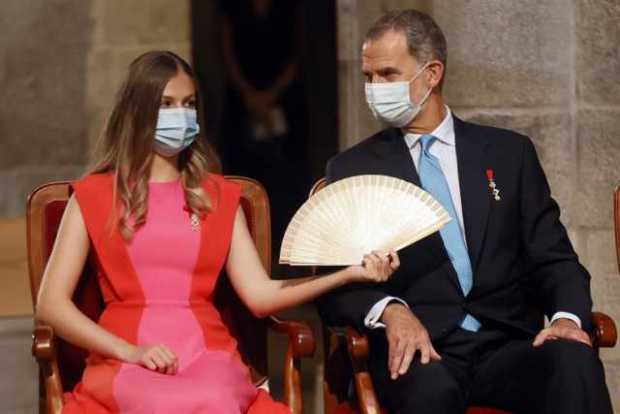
(176, 130)
(390, 101)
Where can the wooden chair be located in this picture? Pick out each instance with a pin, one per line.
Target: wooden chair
(346, 354)
(61, 364)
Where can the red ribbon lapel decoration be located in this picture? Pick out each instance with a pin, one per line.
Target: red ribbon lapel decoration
(492, 185)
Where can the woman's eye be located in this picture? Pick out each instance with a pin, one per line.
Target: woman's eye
(191, 104)
(165, 104)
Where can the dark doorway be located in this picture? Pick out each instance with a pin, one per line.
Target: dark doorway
(287, 166)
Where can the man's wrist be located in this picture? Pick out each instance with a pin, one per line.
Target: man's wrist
(390, 309)
(565, 322)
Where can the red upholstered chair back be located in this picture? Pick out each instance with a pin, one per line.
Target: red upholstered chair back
(45, 208)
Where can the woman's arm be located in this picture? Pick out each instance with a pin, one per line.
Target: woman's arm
(265, 296)
(55, 307)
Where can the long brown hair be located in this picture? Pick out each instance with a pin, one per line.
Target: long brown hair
(126, 145)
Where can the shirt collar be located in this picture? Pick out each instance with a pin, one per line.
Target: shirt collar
(444, 132)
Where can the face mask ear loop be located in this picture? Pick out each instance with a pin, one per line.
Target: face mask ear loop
(419, 72)
(428, 93)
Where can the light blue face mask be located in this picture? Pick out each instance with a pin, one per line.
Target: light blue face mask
(176, 130)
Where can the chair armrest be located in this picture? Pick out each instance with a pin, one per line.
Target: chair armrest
(357, 344)
(358, 347)
(301, 338)
(44, 350)
(301, 344)
(605, 333)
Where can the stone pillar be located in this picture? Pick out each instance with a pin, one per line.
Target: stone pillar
(43, 51)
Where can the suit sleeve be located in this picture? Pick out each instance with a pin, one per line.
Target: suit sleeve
(562, 283)
(348, 305)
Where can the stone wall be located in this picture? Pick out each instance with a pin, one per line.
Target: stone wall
(548, 69)
(61, 62)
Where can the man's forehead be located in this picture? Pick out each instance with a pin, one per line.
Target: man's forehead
(390, 42)
(388, 49)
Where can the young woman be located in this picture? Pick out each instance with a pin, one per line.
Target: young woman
(162, 228)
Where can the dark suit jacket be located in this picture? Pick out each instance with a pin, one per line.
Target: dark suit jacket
(523, 262)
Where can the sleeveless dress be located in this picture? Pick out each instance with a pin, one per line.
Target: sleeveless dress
(158, 289)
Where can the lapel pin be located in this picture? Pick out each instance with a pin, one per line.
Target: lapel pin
(492, 185)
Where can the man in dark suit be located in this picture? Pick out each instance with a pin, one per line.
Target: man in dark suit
(461, 322)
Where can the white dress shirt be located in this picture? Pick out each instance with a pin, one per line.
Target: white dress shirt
(444, 149)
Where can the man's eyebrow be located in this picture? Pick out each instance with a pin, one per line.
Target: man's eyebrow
(387, 70)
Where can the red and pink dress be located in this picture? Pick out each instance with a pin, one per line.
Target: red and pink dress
(158, 289)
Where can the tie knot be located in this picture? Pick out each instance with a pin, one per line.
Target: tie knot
(426, 141)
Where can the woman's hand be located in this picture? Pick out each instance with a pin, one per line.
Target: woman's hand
(376, 267)
(154, 357)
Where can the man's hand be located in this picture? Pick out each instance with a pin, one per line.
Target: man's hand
(562, 328)
(406, 335)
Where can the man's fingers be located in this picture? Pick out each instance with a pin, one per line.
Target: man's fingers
(541, 338)
(407, 358)
(397, 359)
(578, 336)
(552, 333)
(425, 353)
(434, 354)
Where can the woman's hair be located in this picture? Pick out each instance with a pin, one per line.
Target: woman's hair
(126, 145)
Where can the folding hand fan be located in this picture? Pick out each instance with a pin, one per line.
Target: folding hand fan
(352, 217)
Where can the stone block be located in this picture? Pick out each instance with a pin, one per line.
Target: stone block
(601, 254)
(18, 183)
(35, 24)
(44, 49)
(18, 382)
(598, 149)
(349, 35)
(598, 51)
(503, 55)
(141, 22)
(553, 138)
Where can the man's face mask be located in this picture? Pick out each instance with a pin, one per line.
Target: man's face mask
(390, 101)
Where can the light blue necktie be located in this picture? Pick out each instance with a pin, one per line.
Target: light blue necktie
(434, 181)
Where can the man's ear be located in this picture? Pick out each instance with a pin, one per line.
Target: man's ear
(435, 72)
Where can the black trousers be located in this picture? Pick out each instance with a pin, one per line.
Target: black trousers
(495, 369)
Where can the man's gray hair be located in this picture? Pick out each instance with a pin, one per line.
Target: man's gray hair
(425, 39)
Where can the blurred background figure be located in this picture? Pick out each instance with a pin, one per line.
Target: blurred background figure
(265, 111)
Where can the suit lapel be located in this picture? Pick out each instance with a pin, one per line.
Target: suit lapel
(471, 158)
(396, 157)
